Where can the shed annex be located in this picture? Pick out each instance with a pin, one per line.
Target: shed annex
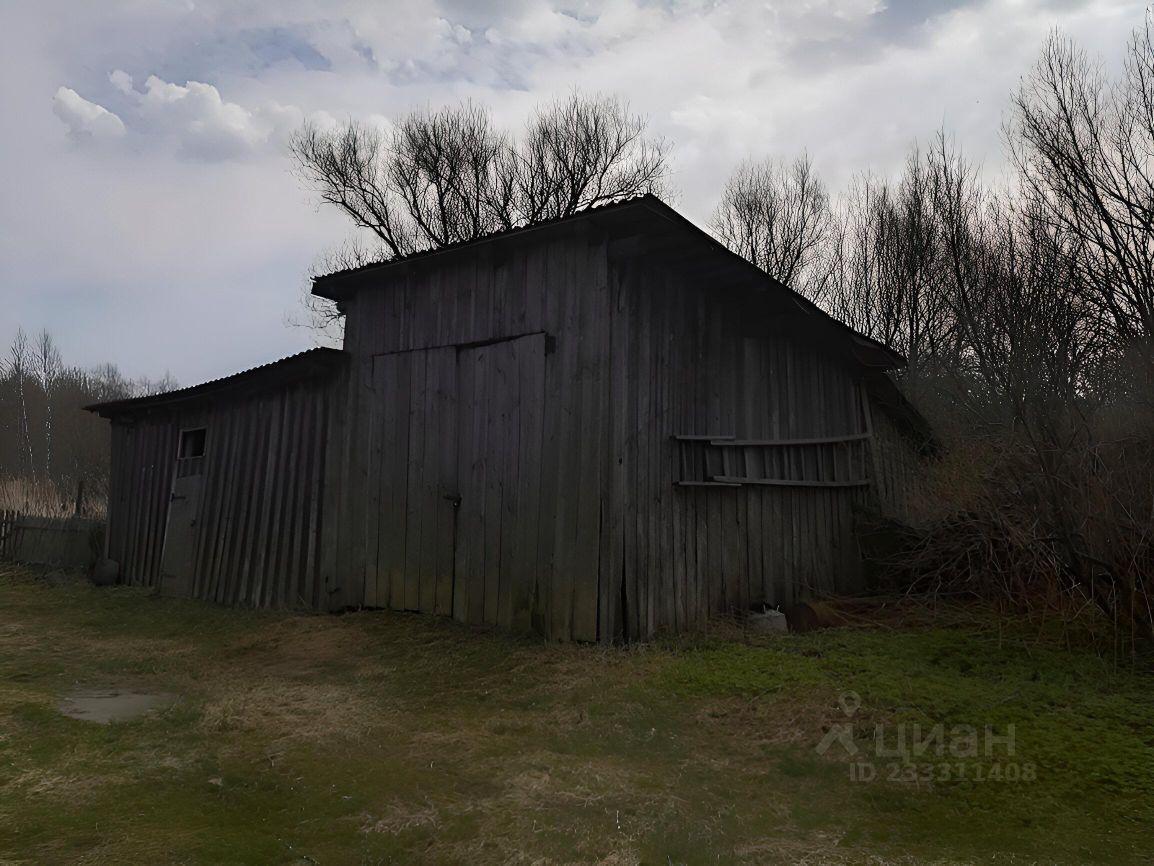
(594, 428)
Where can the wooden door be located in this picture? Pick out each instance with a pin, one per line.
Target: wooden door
(178, 559)
(413, 502)
(501, 391)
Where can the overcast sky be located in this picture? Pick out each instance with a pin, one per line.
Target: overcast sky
(148, 215)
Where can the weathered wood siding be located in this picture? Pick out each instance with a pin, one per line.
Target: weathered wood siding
(690, 361)
(568, 431)
(575, 522)
(140, 482)
(513, 345)
(260, 517)
(899, 468)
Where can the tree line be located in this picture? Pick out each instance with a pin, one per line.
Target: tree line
(1025, 309)
(54, 457)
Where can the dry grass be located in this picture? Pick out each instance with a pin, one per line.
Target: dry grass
(46, 498)
(376, 738)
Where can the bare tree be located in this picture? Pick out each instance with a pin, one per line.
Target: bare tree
(320, 315)
(779, 218)
(105, 382)
(1027, 335)
(1083, 146)
(47, 365)
(441, 167)
(445, 176)
(146, 387)
(578, 153)
(19, 363)
(891, 283)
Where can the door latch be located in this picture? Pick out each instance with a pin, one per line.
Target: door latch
(455, 498)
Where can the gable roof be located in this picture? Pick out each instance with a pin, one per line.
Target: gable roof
(302, 365)
(645, 214)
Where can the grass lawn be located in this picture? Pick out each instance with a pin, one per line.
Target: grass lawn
(379, 738)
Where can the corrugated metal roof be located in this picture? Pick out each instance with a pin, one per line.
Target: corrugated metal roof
(296, 366)
(340, 283)
(419, 254)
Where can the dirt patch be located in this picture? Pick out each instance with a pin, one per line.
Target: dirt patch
(105, 706)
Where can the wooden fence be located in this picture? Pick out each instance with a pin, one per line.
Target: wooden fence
(65, 542)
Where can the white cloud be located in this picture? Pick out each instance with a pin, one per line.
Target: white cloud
(85, 120)
(205, 125)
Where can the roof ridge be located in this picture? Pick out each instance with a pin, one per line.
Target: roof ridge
(431, 250)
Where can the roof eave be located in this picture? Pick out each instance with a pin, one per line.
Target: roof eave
(308, 363)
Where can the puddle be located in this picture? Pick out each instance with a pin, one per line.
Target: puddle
(105, 706)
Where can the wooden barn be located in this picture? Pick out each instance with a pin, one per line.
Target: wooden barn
(595, 428)
(216, 491)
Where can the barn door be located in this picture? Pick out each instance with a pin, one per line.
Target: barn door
(501, 391)
(178, 558)
(413, 510)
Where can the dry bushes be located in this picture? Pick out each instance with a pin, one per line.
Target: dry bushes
(1054, 525)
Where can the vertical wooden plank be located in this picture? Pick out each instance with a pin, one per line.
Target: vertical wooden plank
(330, 583)
(631, 443)
(613, 519)
(552, 269)
(531, 388)
(247, 535)
(151, 535)
(112, 535)
(478, 497)
(376, 414)
(140, 487)
(237, 586)
(494, 373)
(430, 488)
(159, 497)
(231, 505)
(206, 513)
(509, 444)
(290, 559)
(447, 510)
(359, 480)
(267, 526)
(220, 439)
(318, 432)
(135, 469)
(589, 285)
(413, 484)
(395, 398)
(644, 396)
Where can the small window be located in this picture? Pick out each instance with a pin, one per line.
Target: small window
(192, 443)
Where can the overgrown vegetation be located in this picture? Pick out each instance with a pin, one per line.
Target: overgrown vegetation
(383, 737)
(1026, 315)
